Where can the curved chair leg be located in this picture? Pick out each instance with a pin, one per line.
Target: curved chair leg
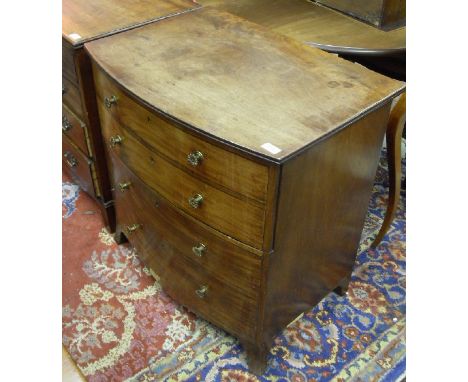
(394, 133)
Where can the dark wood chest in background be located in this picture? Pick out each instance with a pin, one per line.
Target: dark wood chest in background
(82, 147)
(384, 14)
(241, 162)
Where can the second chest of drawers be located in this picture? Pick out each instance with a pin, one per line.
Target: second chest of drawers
(84, 21)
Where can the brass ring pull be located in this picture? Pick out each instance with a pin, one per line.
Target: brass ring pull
(199, 249)
(70, 159)
(132, 228)
(124, 186)
(66, 125)
(109, 101)
(202, 292)
(195, 201)
(195, 158)
(115, 140)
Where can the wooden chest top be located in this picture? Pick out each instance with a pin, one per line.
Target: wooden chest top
(86, 20)
(236, 81)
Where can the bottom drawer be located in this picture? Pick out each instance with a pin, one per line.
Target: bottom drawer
(78, 165)
(221, 286)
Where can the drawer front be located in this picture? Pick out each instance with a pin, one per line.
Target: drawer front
(78, 165)
(229, 260)
(71, 97)
(216, 165)
(233, 216)
(164, 239)
(74, 129)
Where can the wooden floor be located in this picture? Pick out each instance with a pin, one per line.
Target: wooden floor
(70, 373)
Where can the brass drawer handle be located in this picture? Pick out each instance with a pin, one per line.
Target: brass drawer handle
(195, 201)
(124, 186)
(109, 101)
(202, 292)
(66, 125)
(132, 228)
(70, 159)
(195, 158)
(199, 249)
(115, 140)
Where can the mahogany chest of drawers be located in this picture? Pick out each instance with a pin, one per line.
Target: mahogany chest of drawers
(242, 164)
(82, 21)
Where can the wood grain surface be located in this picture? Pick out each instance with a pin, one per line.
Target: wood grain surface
(85, 20)
(68, 62)
(165, 243)
(254, 89)
(254, 100)
(78, 165)
(320, 218)
(223, 211)
(74, 129)
(231, 261)
(381, 13)
(316, 25)
(95, 143)
(219, 166)
(71, 97)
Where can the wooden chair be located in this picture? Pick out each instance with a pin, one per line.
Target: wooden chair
(394, 133)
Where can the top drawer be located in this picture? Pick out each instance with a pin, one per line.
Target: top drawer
(71, 97)
(227, 213)
(213, 163)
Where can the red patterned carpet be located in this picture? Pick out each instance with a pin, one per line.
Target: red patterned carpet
(118, 325)
(115, 318)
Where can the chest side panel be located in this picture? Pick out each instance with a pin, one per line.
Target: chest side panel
(324, 194)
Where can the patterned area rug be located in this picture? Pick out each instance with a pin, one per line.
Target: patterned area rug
(118, 325)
